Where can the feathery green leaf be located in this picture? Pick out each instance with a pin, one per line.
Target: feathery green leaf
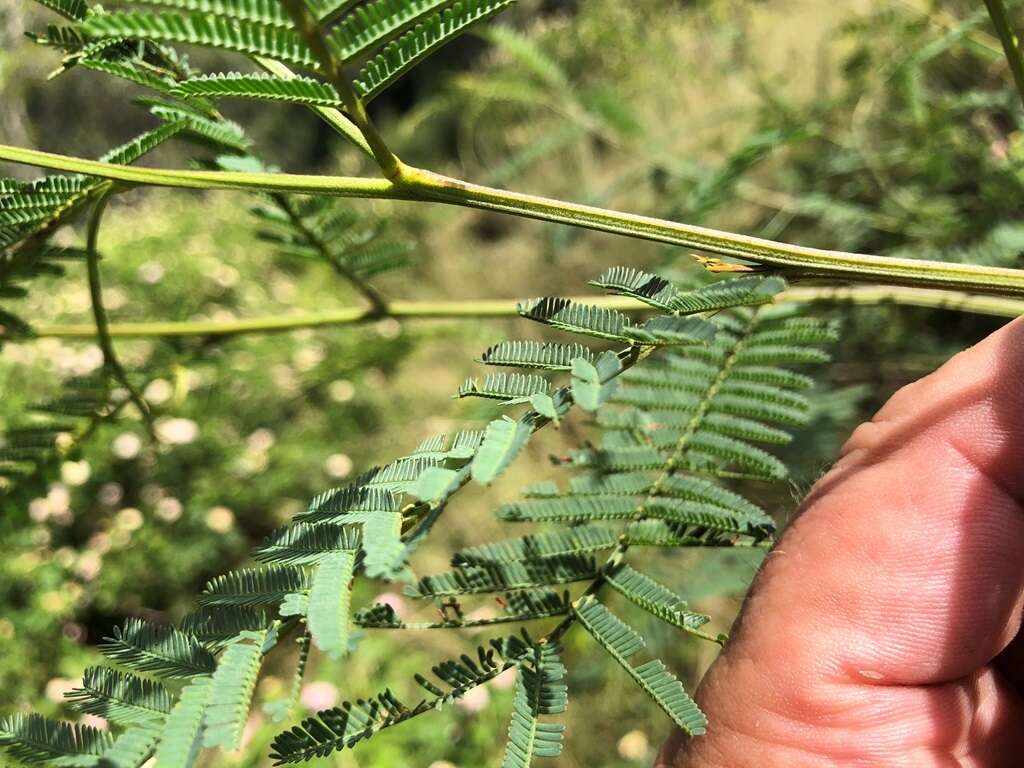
(539, 691)
(643, 286)
(509, 388)
(329, 598)
(120, 697)
(297, 90)
(562, 569)
(301, 544)
(668, 330)
(503, 440)
(75, 10)
(579, 539)
(414, 46)
(653, 597)
(725, 294)
(216, 626)
(182, 735)
(131, 748)
(196, 28)
(622, 641)
(594, 383)
(231, 690)
(376, 23)
(533, 354)
(569, 316)
(34, 740)
(570, 509)
(267, 12)
(254, 587)
(161, 650)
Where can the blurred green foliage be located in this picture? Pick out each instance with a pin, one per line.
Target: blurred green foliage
(905, 139)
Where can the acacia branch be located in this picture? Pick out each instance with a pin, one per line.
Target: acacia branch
(309, 29)
(791, 261)
(102, 324)
(1011, 46)
(467, 310)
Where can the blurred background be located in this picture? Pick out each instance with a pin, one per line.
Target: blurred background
(875, 125)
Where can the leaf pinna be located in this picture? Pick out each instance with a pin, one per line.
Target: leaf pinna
(685, 397)
(678, 425)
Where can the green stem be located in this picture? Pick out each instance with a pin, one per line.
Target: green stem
(1011, 46)
(468, 623)
(792, 261)
(102, 327)
(463, 310)
(789, 260)
(332, 117)
(957, 301)
(308, 28)
(378, 304)
(339, 186)
(349, 316)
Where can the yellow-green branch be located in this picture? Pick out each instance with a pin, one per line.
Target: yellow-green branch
(466, 310)
(792, 261)
(101, 326)
(1011, 45)
(338, 186)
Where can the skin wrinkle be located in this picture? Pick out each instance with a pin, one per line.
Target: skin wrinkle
(904, 560)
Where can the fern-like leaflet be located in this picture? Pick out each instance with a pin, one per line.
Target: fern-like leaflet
(396, 35)
(653, 482)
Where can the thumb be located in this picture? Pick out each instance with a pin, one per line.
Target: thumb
(870, 633)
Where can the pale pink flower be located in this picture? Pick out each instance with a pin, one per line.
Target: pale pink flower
(319, 695)
(475, 700)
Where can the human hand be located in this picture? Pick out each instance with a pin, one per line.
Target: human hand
(884, 628)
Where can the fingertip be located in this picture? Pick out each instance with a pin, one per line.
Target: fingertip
(667, 755)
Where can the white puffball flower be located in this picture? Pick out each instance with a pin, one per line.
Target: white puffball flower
(177, 431)
(114, 298)
(89, 565)
(58, 686)
(100, 542)
(128, 519)
(284, 379)
(158, 391)
(309, 357)
(39, 510)
(338, 466)
(283, 289)
(443, 764)
(341, 391)
(634, 746)
(388, 328)
(169, 509)
(220, 519)
(58, 499)
(75, 473)
(88, 360)
(110, 494)
(151, 493)
(126, 446)
(260, 440)
(151, 273)
(226, 276)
